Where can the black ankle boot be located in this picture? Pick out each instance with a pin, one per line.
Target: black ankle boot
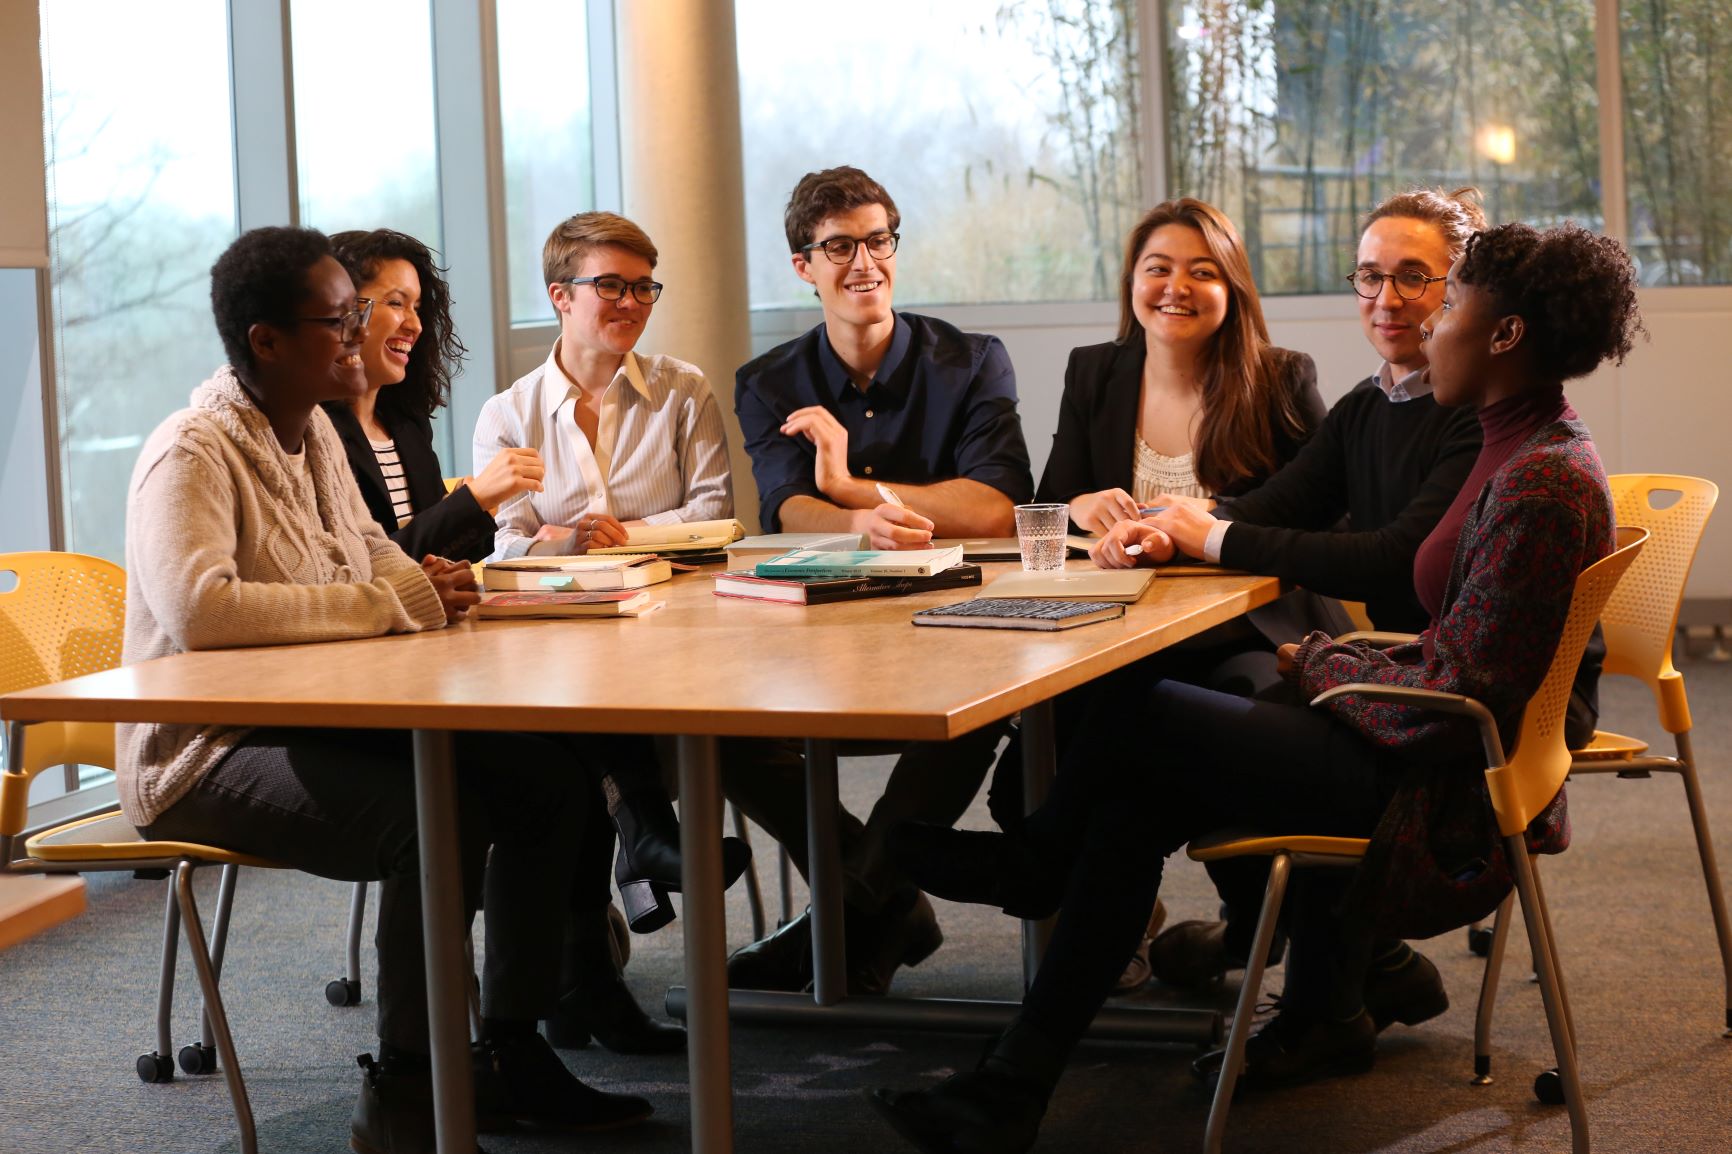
(996, 1107)
(597, 1003)
(647, 867)
(977, 867)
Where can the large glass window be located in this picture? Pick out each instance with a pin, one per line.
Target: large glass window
(366, 135)
(1677, 65)
(141, 201)
(1007, 131)
(544, 104)
(1296, 117)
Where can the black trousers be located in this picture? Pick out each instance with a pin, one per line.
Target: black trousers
(340, 803)
(1147, 773)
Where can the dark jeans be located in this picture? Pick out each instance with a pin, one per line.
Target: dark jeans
(933, 781)
(340, 803)
(1144, 777)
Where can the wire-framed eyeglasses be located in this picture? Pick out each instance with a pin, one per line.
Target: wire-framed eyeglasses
(840, 249)
(613, 288)
(1410, 283)
(349, 326)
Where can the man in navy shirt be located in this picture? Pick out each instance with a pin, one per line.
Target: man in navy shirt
(873, 398)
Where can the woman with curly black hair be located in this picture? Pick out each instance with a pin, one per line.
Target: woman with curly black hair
(409, 352)
(1522, 313)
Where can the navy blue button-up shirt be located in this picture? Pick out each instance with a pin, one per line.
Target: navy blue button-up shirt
(942, 406)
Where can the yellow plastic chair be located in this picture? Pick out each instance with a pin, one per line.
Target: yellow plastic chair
(65, 618)
(1521, 786)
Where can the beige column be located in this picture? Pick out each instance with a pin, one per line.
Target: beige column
(680, 175)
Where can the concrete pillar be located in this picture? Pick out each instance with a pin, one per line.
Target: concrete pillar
(680, 177)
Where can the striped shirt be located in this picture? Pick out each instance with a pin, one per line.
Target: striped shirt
(660, 452)
(396, 482)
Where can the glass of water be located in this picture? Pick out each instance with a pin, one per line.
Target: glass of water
(1040, 532)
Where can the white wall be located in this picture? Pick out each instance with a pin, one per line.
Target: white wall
(23, 463)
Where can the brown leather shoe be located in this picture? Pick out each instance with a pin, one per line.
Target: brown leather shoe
(904, 933)
(781, 961)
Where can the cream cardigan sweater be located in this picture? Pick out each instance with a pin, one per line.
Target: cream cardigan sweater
(229, 542)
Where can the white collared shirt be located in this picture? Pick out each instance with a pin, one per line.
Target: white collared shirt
(660, 452)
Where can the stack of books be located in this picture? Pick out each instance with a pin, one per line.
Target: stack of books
(813, 576)
(574, 574)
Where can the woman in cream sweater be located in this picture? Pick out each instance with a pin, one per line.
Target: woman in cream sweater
(245, 528)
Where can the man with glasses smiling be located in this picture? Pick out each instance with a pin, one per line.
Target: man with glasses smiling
(873, 399)
(606, 420)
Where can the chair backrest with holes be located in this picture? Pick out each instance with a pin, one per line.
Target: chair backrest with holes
(1642, 615)
(63, 616)
(1534, 773)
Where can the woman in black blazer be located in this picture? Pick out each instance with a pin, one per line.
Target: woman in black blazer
(409, 352)
(1190, 398)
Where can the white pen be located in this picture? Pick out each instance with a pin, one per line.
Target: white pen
(889, 495)
(1134, 551)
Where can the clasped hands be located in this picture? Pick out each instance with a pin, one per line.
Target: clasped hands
(454, 582)
(1180, 525)
(884, 525)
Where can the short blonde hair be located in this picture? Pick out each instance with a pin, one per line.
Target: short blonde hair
(576, 237)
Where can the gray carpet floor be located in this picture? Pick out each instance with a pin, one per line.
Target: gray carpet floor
(76, 1006)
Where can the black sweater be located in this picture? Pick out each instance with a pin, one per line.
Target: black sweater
(454, 527)
(1390, 469)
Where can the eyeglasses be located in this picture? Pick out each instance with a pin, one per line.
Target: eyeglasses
(613, 288)
(840, 249)
(1410, 284)
(349, 326)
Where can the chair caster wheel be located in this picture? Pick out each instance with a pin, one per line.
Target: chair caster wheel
(155, 1068)
(1478, 941)
(1549, 1087)
(198, 1059)
(343, 992)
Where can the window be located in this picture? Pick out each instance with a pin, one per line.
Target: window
(1298, 117)
(545, 110)
(141, 201)
(365, 130)
(1677, 66)
(1007, 132)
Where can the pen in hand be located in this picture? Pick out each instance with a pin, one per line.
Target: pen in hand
(889, 495)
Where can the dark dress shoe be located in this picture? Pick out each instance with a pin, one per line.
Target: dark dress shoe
(520, 1082)
(597, 1003)
(996, 1107)
(781, 961)
(1194, 956)
(904, 933)
(1293, 1048)
(647, 867)
(394, 1114)
(1410, 992)
(978, 867)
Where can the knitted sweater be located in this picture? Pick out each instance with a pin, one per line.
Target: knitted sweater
(1544, 516)
(229, 544)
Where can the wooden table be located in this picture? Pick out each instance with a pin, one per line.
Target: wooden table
(700, 668)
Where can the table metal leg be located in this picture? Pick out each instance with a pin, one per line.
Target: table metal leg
(443, 929)
(706, 931)
(824, 865)
(1039, 765)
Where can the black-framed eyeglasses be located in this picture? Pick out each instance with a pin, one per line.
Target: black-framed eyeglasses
(613, 288)
(349, 326)
(1410, 283)
(840, 249)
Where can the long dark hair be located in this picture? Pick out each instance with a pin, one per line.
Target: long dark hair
(1241, 405)
(426, 384)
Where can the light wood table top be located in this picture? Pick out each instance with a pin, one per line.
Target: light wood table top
(701, 665)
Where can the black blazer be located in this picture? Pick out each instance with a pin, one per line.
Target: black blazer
(453, 526)
(1095, 445)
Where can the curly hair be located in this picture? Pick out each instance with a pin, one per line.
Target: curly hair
(821, 195)
(261, 279)
(1576, 291)
(1456, 214)
(426, 384)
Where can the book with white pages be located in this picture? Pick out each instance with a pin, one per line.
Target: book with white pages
(681, 537)
(986, 550)
(748, 551)
(860, 563)
(558, 603)
(572, 574)
(1120, 585)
